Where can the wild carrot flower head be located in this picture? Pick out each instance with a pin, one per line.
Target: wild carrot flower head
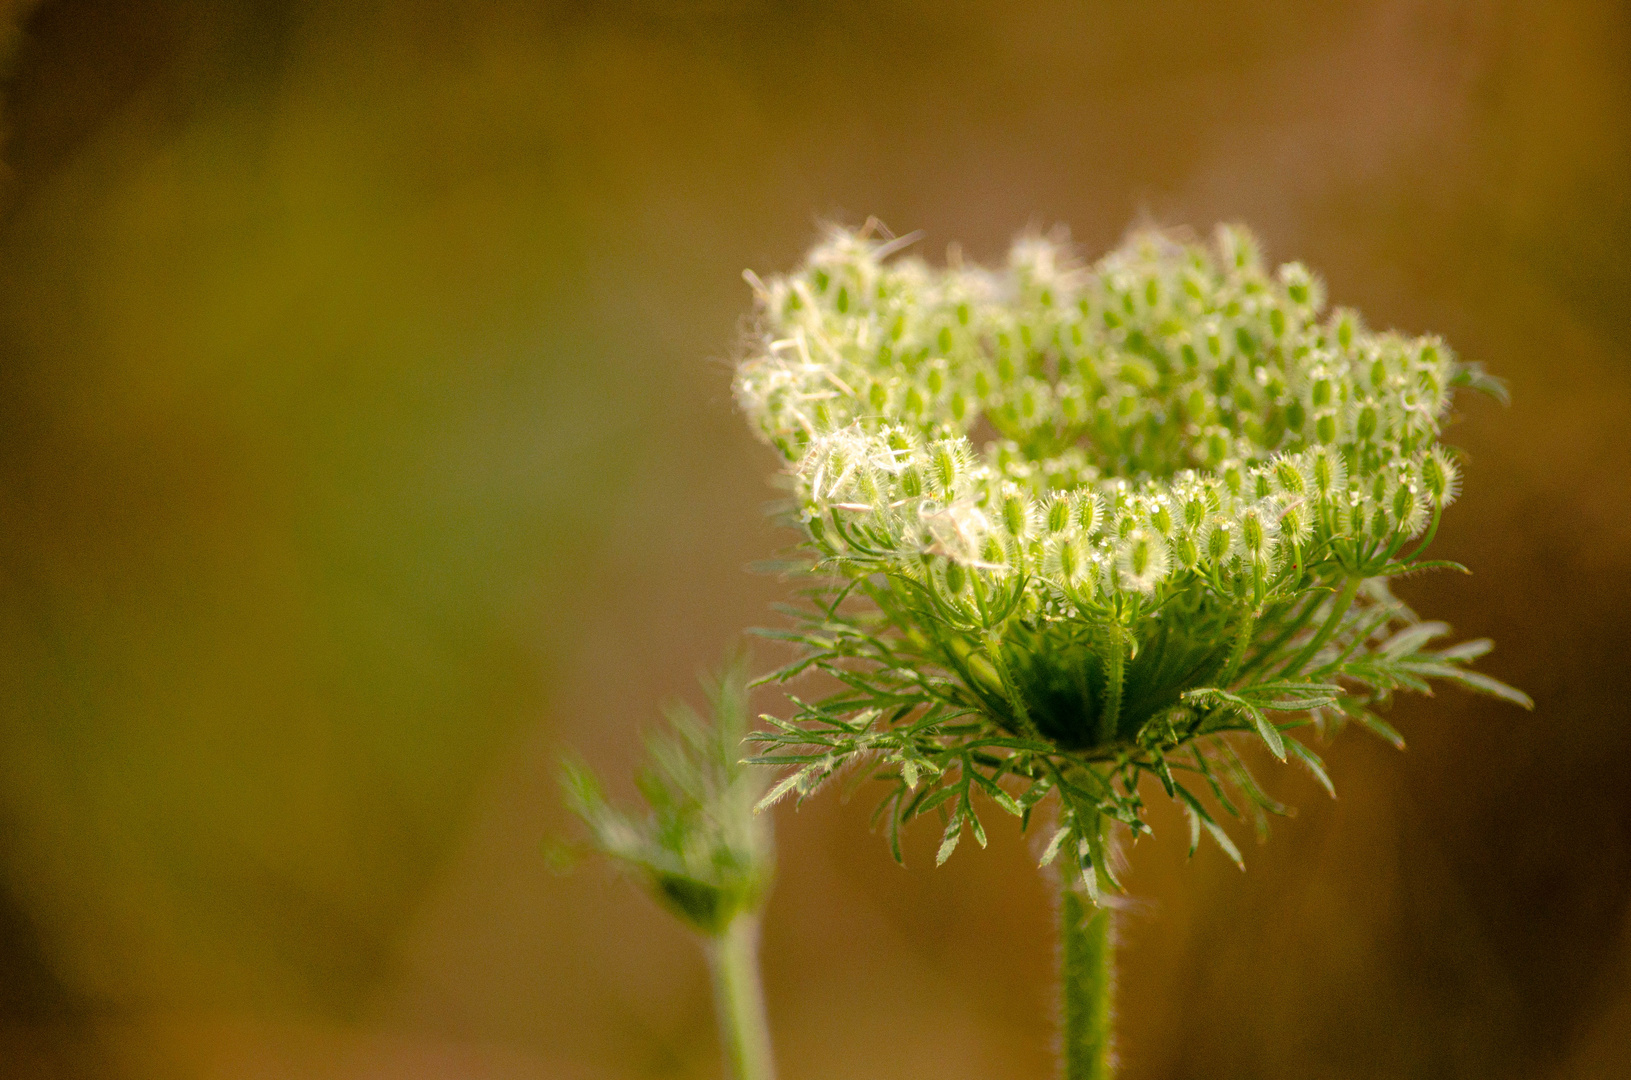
(1070, 524)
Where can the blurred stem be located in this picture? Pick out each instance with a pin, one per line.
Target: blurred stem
(1088, 954)
(1343, 601)
(733, 957)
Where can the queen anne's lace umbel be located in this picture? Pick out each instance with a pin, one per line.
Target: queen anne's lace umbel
(1102, 512)
(1166, 412)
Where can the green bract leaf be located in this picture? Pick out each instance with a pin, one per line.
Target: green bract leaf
(1198, 814)
(1314, 764)
(1484, 684)
(950, 839)
(1379, 727)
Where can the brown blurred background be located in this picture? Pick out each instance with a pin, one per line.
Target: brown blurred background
(366, 442)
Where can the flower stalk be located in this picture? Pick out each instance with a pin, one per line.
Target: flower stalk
(744, 1032)
(701, 852)
(1087, 963)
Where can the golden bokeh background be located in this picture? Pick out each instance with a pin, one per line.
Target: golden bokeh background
(366, 443)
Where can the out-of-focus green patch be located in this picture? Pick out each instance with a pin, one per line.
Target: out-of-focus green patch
(312, 419)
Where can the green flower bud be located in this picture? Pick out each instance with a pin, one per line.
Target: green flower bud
(1258, 525)
(1161, 517)
(1186, 550)
(1346, 329)
(1289, 477)
(947, 464)
(1195, 510)
(1297, 524)
(1302, 287)
(1016, 514)
(1328, 473)
(1222, 541)
(1365, 421)
(1089, 511)
(1142, 561)
(1440, 477)
(1409, 509)
(1059, 511)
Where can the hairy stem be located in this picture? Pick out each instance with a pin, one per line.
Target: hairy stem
(1087, 953)
(1243, 638)
(733, 958)
(1115, 674)
(1016, 701)
(1265, 655)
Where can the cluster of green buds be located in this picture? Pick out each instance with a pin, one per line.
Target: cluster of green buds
(936, 510)
(1165, 412)
(698, 849)
(1097, 516)
(701, 852)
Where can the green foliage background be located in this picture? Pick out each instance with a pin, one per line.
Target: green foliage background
(365, 440)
